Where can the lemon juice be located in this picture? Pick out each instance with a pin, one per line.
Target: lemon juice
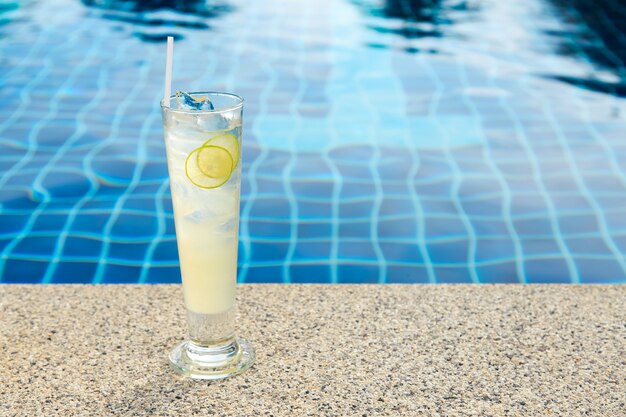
(204, 163)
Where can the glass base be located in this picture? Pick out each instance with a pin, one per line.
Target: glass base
(197, 361)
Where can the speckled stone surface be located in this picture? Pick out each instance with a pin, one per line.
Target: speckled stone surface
(338, 350)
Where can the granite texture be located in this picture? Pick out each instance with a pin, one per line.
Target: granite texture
(322, 350)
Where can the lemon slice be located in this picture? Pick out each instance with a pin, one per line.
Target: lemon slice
(228, 142)
(209, 166)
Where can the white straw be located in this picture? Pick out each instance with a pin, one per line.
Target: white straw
(168, 70)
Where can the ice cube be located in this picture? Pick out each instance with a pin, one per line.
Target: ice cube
(198, 216)
(229, 224)
(187, 102)
(214, 123)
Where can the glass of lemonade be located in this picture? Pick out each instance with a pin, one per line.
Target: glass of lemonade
(203, 145)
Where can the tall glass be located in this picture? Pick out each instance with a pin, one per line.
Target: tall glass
(204, 163)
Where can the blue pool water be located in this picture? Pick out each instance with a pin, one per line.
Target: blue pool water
(385, 141)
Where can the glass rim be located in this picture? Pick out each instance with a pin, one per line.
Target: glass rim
(238, 105)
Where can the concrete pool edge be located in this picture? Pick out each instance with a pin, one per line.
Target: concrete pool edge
(323, 350)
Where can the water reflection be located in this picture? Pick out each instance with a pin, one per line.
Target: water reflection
(194, 7)
(170, 14)
(6, 7)
(595, 33)
(414, 19)
(591, 32)
(410, 10)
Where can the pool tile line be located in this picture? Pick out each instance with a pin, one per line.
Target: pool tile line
(571, 267)
(154, 117)
(420, 237)
(587, 195)
(116, 123)
(457, 174)
(32, 148)
(620, 233)
(67, 144)
(522, 138)
(332, 120)
(138, 263)
(507, 198)
(256, 164)
(286, 173)
(373, 162)
(148, 260)
(76, 208)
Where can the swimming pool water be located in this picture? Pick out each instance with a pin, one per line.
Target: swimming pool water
(385, 141)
